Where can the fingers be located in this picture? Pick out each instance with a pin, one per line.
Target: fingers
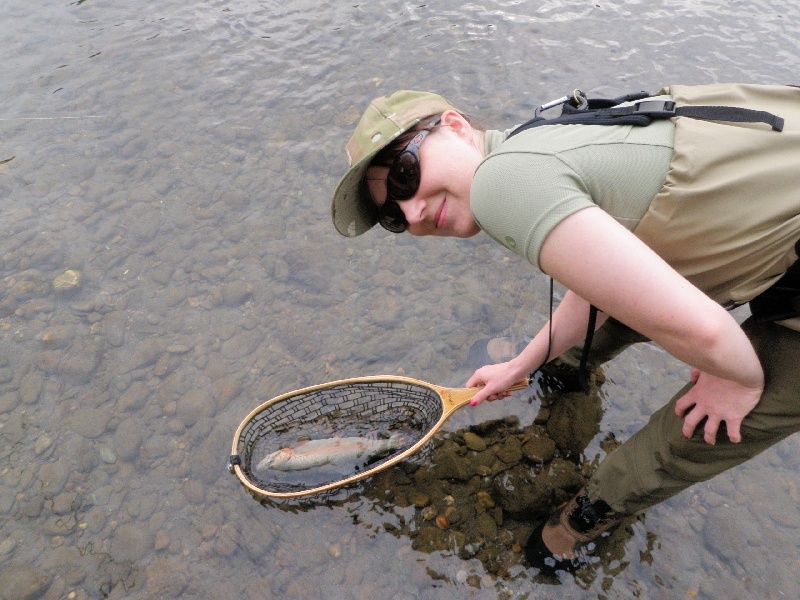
(710, 431)
(690, 422)
(683, 404)
(485, 394)
(734, 433)
(475, 381)
(478, 398)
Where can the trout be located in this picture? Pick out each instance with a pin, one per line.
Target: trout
(331, 452)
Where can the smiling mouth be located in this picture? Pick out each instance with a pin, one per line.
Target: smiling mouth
(438, 218)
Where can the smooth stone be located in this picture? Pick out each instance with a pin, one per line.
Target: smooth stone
(23, 582)
(67, 281)
(107, 456)
(474, 442)
(90, 422)
(30, 387)
(131, 542)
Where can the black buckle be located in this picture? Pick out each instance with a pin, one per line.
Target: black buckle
(656, 108)
(234, 461)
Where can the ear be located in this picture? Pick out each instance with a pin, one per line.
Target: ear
(457, 123)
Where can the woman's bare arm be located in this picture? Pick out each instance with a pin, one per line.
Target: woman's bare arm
(603, 263)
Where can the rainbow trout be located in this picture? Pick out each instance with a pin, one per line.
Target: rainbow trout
(331, 452)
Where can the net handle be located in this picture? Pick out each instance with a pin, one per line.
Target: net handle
(455, 398)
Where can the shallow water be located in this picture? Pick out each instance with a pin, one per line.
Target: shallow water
(180, 156)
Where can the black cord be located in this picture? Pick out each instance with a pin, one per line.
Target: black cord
(549, 335)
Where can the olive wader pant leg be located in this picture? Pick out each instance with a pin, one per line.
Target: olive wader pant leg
(657, 462)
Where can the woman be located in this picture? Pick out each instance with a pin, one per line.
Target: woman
(661, 227)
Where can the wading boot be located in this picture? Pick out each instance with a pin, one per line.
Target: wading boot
(566, 540)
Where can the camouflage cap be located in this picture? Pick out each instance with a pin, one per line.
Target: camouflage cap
(385, 119)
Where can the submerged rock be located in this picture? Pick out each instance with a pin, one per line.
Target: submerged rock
(68, 281)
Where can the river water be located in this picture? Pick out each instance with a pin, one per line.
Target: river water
(167, 263)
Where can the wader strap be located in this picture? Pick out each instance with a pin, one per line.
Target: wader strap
(641, 114)
(730, 113)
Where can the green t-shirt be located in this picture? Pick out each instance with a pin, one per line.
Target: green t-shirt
(529, 183)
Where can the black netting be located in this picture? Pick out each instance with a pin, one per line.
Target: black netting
(375, 409)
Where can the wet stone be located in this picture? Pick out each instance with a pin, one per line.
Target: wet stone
(134, 397)
(539, 448)
(14, 428)
(23, 582)
(146, 353)
(68, 281)
(8, 401)
(195, 404)
(131, 542)
(167, 578)
(107, 456)
(128, 439)
(419, 500)
(232, 294)
(226, 543)
(90, 422)
(43, 442)
(30, 386)
(80, 362)
(474, 442)
(114, 326)
(510, 452)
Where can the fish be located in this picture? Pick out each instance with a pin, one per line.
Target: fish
(332, 452)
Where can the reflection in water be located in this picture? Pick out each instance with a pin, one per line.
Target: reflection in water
(181, 159)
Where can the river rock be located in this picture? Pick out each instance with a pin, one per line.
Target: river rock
(134, 397)
(90, 422)
(539, 447)
(131, 542)
(195, 404)
(80, 362)
(231, 294)
(30, 386)
(68, 281)
(8, 401)
(114, 326)
(574, 421)
(146, 353)
(23, 582)
(167, 578)
(474, 442)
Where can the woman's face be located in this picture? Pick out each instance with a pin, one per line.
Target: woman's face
(448, 158)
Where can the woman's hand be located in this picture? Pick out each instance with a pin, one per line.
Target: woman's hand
(495, 379)
(719, 400)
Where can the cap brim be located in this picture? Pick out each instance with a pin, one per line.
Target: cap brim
(350, 214)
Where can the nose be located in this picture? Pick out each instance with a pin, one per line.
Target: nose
(414, 209)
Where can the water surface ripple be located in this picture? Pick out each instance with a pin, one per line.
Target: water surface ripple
(167, 264)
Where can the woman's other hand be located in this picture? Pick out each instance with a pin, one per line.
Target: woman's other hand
(717, 400)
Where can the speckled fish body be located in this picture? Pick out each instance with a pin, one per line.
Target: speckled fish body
(331, 452)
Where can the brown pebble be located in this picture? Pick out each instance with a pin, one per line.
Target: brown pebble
(442, 522)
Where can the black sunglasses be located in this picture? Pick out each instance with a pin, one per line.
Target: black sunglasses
(402, 182)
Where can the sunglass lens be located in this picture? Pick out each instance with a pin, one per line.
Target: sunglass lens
(391, 217)
(402, 181)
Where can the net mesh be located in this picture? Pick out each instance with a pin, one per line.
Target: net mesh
(376, 409)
